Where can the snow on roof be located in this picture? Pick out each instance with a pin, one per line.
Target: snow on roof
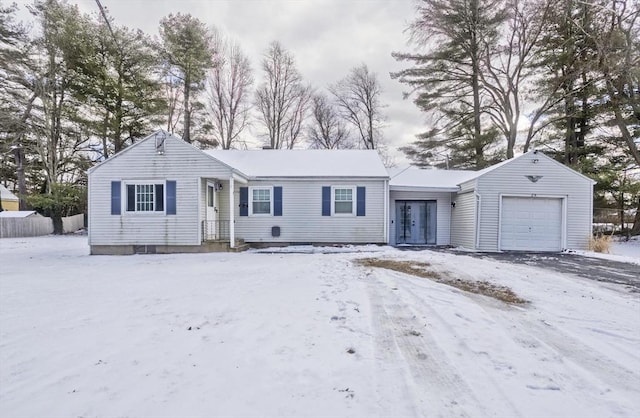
(5, 194)
(16, 213)
(303, 163)
(446, 180)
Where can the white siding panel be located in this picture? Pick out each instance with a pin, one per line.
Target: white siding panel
(443, 213)
(180, 162)
(555, 181)
(463, 221)
(302, 220)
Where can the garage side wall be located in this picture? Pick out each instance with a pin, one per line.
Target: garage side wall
(552, 180)
(463, 220)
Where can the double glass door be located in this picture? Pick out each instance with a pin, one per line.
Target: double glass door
(415, 222)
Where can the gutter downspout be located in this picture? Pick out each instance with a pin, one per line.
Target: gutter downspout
(478, 218)
(386, 211)
(232, 232)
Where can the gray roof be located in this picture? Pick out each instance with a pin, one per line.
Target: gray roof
(18, 213)
(443, 180)
(303, 163)
(5, 194)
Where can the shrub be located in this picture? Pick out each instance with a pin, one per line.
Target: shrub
(600, 243)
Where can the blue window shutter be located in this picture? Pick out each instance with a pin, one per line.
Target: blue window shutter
(116, 199)
(360, 201)
(159, 197)
(131, 197)
(244, 201)
(326, 201)
(277, 201)
(171, 197)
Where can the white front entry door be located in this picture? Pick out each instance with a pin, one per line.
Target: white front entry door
(211, 215)
(531, 224)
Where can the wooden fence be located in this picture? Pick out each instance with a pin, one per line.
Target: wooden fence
(73, 223)
(35, 226)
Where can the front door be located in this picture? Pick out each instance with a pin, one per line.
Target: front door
(210, 230)
(416, 222)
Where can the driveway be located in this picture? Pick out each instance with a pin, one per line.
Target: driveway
(602, 270)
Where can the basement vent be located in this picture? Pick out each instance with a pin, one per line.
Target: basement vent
(144, 249)
(275, 231)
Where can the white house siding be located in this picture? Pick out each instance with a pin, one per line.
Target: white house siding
(443, 212)
(467, 186)
(180, 162)
(302, 220)
(556, 181)
(463, 220)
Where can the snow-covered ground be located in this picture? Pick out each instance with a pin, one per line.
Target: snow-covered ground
(627, 251)
(630, 248)
(304, 334)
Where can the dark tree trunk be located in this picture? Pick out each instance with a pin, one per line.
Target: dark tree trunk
(636, 221)
(18, 153)
(57, 224)
(187, 114)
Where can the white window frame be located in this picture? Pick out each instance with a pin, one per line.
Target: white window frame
(251, 189)
(354, 200)
(124, 197)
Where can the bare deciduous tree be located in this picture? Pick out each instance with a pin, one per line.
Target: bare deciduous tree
(617, 44)
(228, 88)
(358, 98)
(173, 93)
(507, 68)
(282, 99)
(327, 129)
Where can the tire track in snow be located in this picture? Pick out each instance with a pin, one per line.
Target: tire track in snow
(546, 345)
(432, 379)
(552, 344)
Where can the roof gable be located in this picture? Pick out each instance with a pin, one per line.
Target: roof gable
(5, 194)
(528, 154)
(168, 137)
(450, 180)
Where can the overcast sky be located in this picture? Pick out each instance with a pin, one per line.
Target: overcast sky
(326, 37)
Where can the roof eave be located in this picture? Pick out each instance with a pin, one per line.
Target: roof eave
(443, 189)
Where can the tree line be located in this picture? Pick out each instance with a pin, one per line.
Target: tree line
(499, 76)
(493, 78)
(78, 88)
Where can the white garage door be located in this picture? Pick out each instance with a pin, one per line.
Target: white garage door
(531, 224)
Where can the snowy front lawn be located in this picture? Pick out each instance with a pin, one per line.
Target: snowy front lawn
(306, 334)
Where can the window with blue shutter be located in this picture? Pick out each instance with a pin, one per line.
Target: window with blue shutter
(244, 201)
(360, 201)
(116, 198)
(277, 201)
(148, 197)
(326, 200)
(171, 197)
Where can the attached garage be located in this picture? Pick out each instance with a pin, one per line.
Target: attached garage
(531, 223)
(527, 203)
